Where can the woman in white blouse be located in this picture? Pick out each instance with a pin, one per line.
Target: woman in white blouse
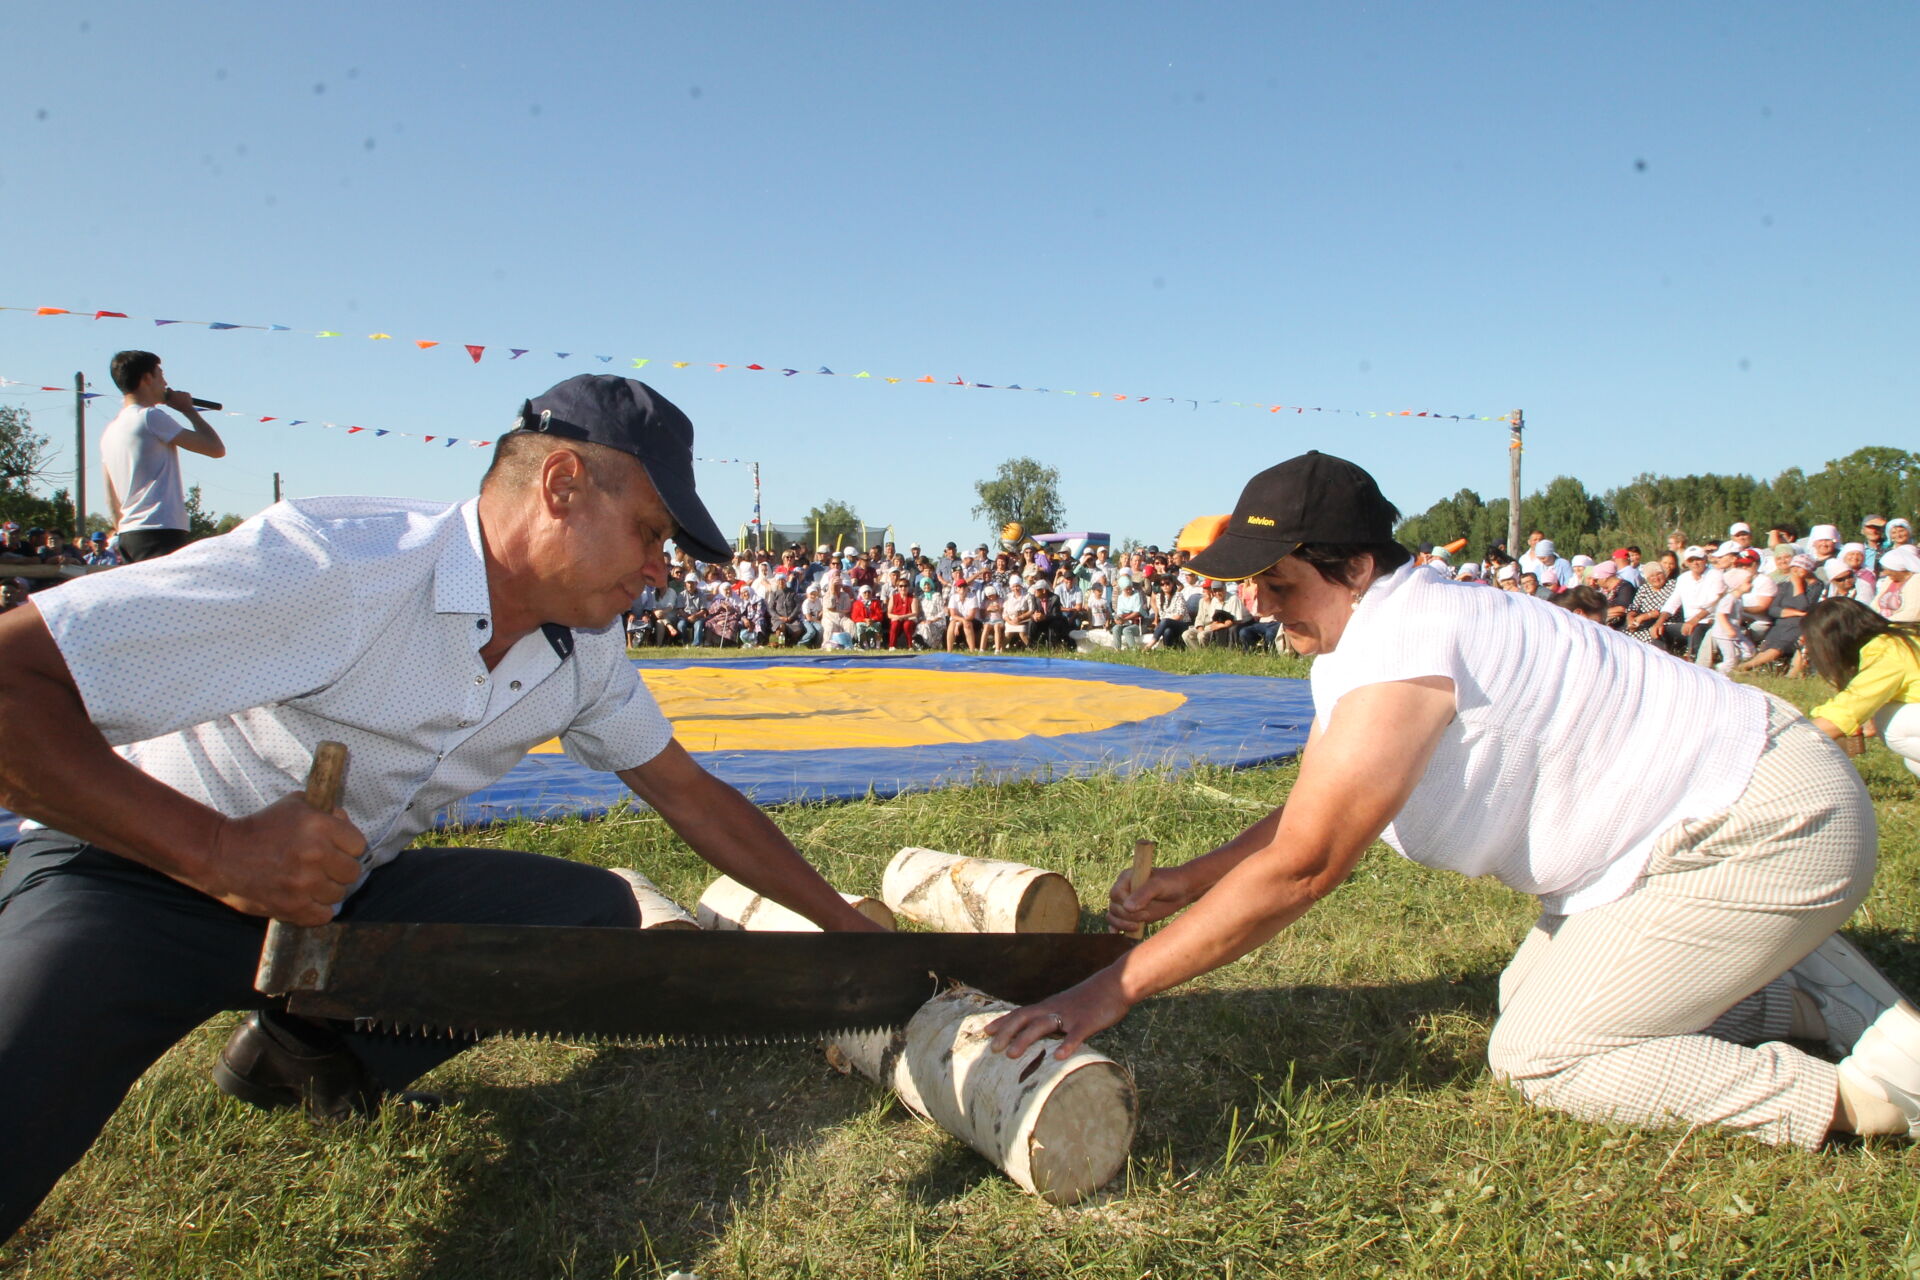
(1687, 914)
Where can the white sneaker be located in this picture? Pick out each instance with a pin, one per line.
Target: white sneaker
(1851, 993)
(1886, 1062)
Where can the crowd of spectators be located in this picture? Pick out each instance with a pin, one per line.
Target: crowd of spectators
(37, 546)
(1737, 604)
(980, 601)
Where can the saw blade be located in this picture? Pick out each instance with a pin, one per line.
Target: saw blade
(463, 981)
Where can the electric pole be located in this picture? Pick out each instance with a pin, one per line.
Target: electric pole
(80, 455)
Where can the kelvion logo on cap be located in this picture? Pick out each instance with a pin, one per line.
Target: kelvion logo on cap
(1260, 520)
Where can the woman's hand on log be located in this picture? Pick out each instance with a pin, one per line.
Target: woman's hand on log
(1073, 1016)
(1164, 893)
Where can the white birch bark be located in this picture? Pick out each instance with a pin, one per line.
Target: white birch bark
(728, 904)
(657, 910)
(956, 894)
(1059, 1129)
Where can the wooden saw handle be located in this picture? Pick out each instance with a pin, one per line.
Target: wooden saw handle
(1143, 851)
(326, 779)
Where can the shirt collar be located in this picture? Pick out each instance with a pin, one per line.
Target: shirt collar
(460, 575)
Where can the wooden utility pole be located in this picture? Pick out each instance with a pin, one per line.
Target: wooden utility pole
(80, 455)
(1513, 486)
(276, 486)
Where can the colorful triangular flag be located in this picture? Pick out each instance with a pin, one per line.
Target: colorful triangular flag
(475, 352)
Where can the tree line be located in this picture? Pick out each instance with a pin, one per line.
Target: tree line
(1875, 480)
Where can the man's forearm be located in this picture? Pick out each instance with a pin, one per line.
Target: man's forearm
(56, 768)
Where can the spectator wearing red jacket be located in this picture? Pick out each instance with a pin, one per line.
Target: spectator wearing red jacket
(900, 618)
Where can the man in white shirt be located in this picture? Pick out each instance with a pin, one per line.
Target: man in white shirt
(140, 456)
(161, 720)
(1693, 599)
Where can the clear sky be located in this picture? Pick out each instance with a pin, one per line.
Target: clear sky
(1681, 238)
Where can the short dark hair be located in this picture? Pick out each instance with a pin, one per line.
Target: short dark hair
(130, 368)
(1583, 600)
(1334, 561)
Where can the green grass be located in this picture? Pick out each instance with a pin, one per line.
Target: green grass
(1320, 1108)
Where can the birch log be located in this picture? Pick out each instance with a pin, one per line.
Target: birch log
(728, 904)
(978, 895)
(657, 910)
(1060, 1129)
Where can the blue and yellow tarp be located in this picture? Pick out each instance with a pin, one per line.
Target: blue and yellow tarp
(829, 727)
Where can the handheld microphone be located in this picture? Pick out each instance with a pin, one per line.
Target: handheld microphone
(198, 403)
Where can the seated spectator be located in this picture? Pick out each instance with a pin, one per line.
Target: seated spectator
(1726, 645)
(993, 617)
(12, 594)
(1045, 623)
(1604, 578)
(785, 626)
(1650, 616)
(867, 616)
(812, 614)
(1695, 593)
(1791, 603)
(963, 612)
(1585, 601)
(1897, 600)
(1016, 613)
(901, 615)
(1530, 585)
(1098, 631)
(1129, 612)
(1168, 612)
(1841, 584)
(1218, 618)
(99, 552)
(754, 623)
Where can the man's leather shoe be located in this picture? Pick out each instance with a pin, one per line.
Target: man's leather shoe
(268, 1065)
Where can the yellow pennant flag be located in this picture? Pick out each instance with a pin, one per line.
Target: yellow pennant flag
(326, 333)
(377, 336)
(681, 364)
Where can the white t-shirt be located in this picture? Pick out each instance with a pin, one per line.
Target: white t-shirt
(143, 464)
(1572, 748)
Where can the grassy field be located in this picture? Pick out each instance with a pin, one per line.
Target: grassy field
(1320, 1108)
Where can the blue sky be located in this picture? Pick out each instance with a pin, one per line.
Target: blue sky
(1680, 238)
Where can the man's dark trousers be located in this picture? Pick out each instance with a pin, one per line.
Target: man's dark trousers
(105, 965)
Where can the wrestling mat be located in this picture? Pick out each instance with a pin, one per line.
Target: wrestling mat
(785, 729)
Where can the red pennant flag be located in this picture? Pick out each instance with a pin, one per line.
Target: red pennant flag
(109, 315)
(426, 437)
(481, 444)
(351, 430)
(423, 344)
(53, 311)
(269, 419)
(756, 366)
(474, 352)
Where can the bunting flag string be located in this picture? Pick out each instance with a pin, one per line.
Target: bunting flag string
(476, 351)
(445, 442)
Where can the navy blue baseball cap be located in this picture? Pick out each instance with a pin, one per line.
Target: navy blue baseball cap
(619, 413)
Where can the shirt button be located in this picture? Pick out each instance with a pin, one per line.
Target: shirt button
(480, 623)
(515, 686)
(465, 723)
(479, 679)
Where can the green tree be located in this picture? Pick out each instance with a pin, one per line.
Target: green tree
(24, 454)
(202, 523)
(1023, 492)
(834, 522)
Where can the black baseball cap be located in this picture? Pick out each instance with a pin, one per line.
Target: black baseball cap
(606, 409)
(1315, 497)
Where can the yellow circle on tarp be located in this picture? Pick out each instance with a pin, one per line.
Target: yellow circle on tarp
(823, 708)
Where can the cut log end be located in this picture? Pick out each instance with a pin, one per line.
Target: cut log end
(1049, 905)
(1077, 1145)
(657, 910)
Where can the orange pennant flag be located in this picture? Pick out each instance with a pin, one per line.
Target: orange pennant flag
(423, 344)
(928, 378)
(53, 311)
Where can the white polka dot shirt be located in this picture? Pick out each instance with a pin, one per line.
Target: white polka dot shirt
(218, 669)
